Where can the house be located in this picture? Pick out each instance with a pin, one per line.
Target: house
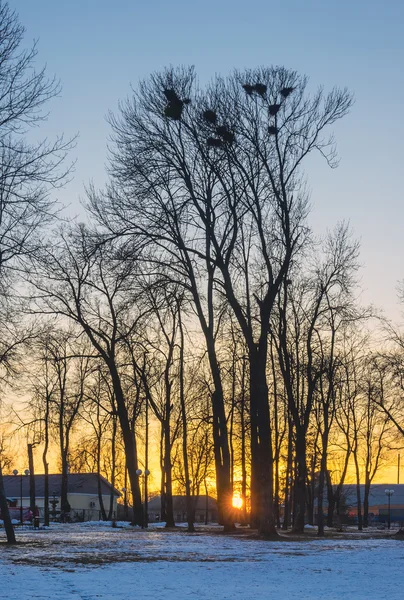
(82, 494)
(205, 509)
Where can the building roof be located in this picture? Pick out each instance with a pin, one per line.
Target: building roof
(180, 503)
(77, 483)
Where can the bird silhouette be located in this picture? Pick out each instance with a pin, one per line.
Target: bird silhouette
(272, 130)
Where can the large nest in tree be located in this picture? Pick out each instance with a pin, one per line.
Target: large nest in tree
(173, 110)
(286, 91)
(171, 95)
(260, 88)
(210, 116)
(225, 133)
(175, 105)
(248, 88)
(214, 142)
(273, 109)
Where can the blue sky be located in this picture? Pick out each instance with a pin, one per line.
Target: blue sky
(99, 48)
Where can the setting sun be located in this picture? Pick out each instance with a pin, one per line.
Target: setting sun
(237, 502)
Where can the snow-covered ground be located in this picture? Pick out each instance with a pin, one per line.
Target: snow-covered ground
(93, 562)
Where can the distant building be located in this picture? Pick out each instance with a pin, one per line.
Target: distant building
(378, 501)
(82, 494)
(205, 509)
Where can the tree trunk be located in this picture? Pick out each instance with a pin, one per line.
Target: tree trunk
(46, 475)
(330, 501)
(99, 490)
(5, 513)
(322, 477)
(262, 510)
(311, 488)
(168, 475)
(130, 446)
(300, 481)
(64, 503)
(288, 481)
(243, 447)
(189, 504)
(163, 515)
(366, 500)
(113, 454)
(32, 502)
(220, 441)
(358, 491)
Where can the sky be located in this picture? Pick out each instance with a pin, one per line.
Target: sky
(99, 49)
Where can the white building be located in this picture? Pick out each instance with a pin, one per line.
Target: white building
(82, 494)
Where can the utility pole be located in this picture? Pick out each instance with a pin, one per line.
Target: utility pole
(398, 470)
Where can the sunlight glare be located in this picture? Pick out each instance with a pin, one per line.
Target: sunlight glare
(237, 502)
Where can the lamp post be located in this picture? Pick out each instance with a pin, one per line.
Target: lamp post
(15, 473)
(389, 494)
(145, 516)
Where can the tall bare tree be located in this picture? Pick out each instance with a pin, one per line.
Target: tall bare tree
(28, 171)
(202, 174)
(92, 287)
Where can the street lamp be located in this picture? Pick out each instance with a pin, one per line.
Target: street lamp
(389, 494)
(145, 519)
(15, 473)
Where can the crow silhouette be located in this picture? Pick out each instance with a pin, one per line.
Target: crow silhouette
(272, 130)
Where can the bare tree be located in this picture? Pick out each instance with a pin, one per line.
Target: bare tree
(28, 171)
(311, 308)
(203, 175)
(93, 288)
